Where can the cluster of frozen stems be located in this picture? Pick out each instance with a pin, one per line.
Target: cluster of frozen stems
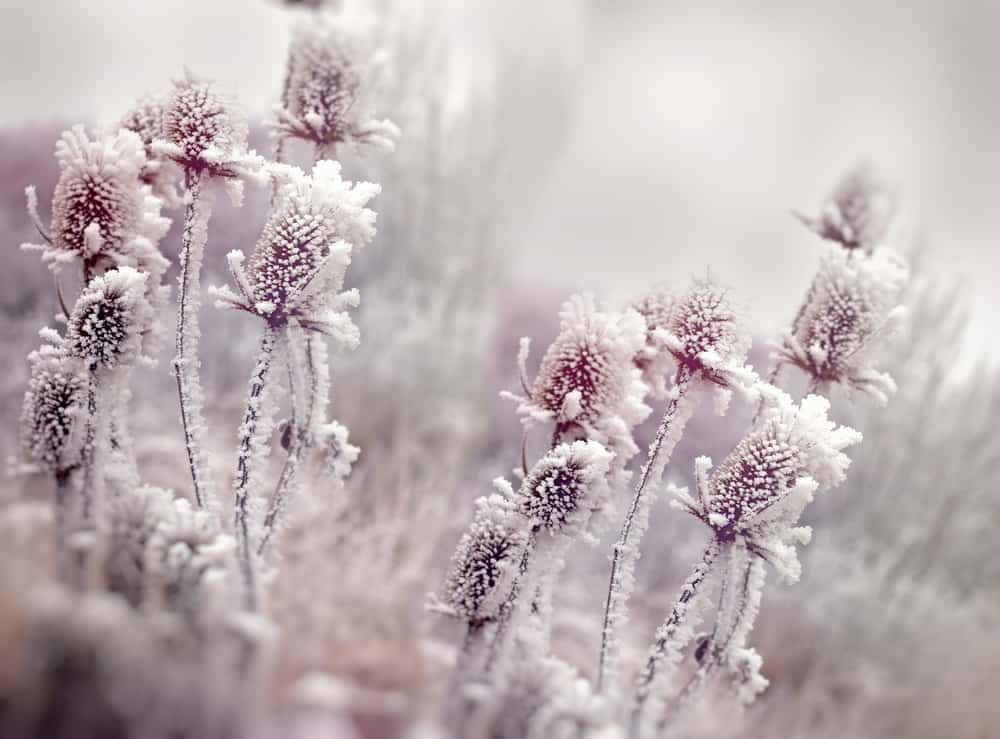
(157, 547)
(592, 389)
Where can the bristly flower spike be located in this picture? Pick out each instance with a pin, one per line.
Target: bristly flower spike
(858, 214)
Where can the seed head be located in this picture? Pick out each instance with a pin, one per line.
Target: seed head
(853, 300)
(486, 561)
(326, 99)
(145, 119)
(654, 361)
(858, 214)
(52, 406)
(109, 319)
(566, 487)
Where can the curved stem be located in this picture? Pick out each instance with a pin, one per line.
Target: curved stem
(626, 550)
(666, 635)
(186, 363)
(249, 439)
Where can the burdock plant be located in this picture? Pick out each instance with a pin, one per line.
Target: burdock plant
(708, 345)
(752, 504)
(206, 136)
(293, 281)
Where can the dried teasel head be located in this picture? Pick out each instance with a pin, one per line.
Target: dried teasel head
(145, 119)
(566, 487)
(327, 92)
(657, 309)
(50, 427)
(852, 303)
(858, 214)
(102, 213)
(297, 269)
(588, 383)
(109, 319)
(486, 561)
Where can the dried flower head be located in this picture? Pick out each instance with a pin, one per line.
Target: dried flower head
(657, 309)
(588, 383)
(761, 488)
(145, 119)
(102, 214)
(50, 431)
(853, 300)
(204, 132)
(133, 516)
(109, 319)
(858, 214)
(485, 563)
(706, 336)
(566, 487)
(298, 266)
(327, 95)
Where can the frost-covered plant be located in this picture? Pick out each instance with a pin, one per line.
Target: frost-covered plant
(145, 119)
(752, 503)
(588, 385)
(206, 136)
(294, 281)
(102, 213)
(654, 359)
(708, 344)
(859, 212)
(327, 95)
(852, 303)
(132, 518)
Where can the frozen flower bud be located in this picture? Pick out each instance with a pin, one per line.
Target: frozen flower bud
(327, 96)
(566, 487)
(486, 561)
(203, 131)
(101, 212)
(588, 382)
(792, 449)
(109, 318)
(853, 300)
(858, 214)
(298, 265)
(50, 432)
(657, 309)
(705, 334)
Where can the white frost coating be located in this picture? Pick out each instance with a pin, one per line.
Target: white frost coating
(859, 212)
(852, 304)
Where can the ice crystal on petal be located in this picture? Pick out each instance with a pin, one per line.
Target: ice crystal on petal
(49, 425)
(565, 487)
(327, 93)
(485, 563)
(853, 300)
(109, 318)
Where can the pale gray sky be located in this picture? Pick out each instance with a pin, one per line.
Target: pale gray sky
(695, 126)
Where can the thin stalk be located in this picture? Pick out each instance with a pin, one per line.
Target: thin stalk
(815, 384)
(772, 379)
(89, 448)
(245, 457)
(187, 363)
(63, 488)
(507, 610)
(668, 630)
(626, 550)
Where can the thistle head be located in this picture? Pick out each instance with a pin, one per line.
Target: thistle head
(486, 561)
(792, 452)
(588, 383)
(49, 429)
(106, 326)
(203, 131)
(705, 334)
(859, 212)
(326, 98)
(653, 360)
(852, 302)
(566, 487)
(298, 265)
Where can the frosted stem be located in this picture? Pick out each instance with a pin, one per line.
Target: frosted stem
(667, 642)
(249, 441)
(772, 379)
(626, 551)
(89, 461)
(509, 607)
(187, 364)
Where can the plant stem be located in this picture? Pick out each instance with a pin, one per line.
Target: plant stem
(668, 630)
(509, 606)
(187, 364)
(626, 551)
(249, 440)
(89, 448)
